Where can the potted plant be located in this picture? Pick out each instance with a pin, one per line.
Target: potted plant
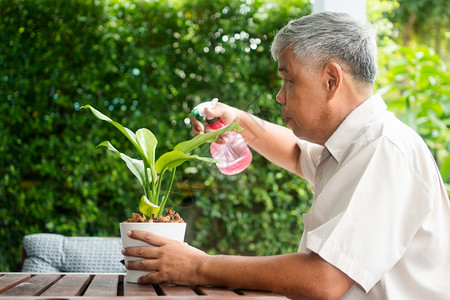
(150, 173)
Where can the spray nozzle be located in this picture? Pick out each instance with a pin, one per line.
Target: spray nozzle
(199, 111)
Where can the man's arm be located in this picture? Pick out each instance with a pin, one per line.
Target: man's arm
(294, 275)
(276, 143)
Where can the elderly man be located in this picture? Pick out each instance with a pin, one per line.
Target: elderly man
(379, 227)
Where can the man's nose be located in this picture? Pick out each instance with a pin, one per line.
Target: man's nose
(281, 96)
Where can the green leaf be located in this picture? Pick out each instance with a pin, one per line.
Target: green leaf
(127, 132)
(175, 158)
(134, 165)
(410, 114)
(147, 208)
(209, 137)
(445, 168)
(147, 141)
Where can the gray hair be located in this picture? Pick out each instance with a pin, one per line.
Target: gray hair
(329, 36)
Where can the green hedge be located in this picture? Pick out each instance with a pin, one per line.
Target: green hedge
(146, 64)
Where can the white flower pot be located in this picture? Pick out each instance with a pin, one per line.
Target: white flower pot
(173, 231)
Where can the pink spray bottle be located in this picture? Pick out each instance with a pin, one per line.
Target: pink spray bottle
(234, 156)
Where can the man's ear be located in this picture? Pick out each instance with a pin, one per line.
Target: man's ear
(334, 76)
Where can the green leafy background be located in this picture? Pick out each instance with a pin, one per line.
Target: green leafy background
(146, 64)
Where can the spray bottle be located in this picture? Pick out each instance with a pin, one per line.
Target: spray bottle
(234, 156)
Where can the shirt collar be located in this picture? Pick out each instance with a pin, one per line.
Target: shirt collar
(353, 124)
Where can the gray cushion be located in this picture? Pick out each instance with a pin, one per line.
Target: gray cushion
(47, 252)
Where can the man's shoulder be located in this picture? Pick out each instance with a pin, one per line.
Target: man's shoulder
(400, 145)
(401, 136)
(388, 136)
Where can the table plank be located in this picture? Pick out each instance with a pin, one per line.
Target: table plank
(69, 285)
(258, 293)
(133, 289)
(216, 291)
(8, 281)
(33, 286)
(103, 285)
(177, 290)
(77, 286)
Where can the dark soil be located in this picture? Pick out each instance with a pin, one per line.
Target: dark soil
(170, 217)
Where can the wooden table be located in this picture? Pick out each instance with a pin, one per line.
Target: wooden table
(108, 286)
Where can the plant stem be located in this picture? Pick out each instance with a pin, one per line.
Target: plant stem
(154, 180)
(158, 188)
(164, 200)
(147, 180)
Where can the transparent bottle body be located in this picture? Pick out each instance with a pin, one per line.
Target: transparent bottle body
(234, 156)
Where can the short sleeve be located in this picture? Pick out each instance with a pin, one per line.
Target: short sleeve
(309, 159)
(383, 206)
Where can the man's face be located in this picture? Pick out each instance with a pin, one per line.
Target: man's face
(303, 98)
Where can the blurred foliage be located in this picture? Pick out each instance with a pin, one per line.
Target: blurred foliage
(146, 64)
(422, 22)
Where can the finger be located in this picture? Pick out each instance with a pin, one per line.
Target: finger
(148, 237)
(213, 112)
(153, 277)
(197, 126)
(222, 139)
(144, 252)
(143, 265)
(222, 111)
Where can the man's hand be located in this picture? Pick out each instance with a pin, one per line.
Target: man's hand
(168, 261)
(295, 275)
(227, 115)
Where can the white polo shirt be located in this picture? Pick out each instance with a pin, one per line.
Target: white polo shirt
(381, 213)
